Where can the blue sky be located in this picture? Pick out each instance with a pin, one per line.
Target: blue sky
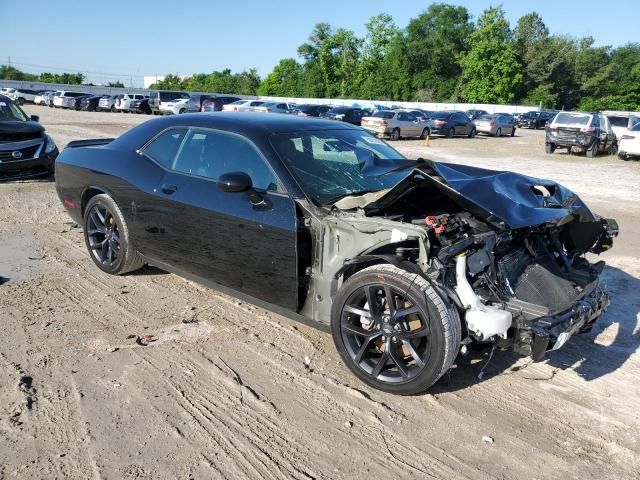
(124, 39)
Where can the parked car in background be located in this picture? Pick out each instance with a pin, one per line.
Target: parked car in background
(629, 144)
(142, 106)
(156, 99)
(126, 102)
(67, 99)
(451, 123)
(76, 103)
(274, 107)
(421, 115)
(108, 103)
(475, 113)
(350, 115)
(41, 96)
(622, 122)
(179, 106)
(90, 103)
(48, 98)
(535, 120)
(242, 106)
(395, 125)
(23, 95)
(6, 91)
(496, 124)
(312, 110)
(25, 148)
(581, 132)
(216, 103)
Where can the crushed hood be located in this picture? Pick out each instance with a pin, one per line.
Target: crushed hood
(516, 200)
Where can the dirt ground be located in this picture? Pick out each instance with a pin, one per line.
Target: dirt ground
(223, 391)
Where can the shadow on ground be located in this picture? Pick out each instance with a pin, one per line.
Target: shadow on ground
(591, 355)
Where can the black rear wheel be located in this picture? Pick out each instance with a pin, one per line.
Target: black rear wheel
(592, 151)
(425, 133)
(395, 134)
(549, 147)
(107, 237)
(452, 132)
(393, 330)
(499, 132)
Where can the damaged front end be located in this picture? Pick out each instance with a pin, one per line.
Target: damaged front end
(509, 251)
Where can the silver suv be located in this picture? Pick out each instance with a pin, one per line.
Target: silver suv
(395, 124)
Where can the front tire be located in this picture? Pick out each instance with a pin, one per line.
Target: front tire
(393, 330)
(549, 147)
(107, 237)
(472, 133)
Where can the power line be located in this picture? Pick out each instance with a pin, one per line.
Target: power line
(68, 70)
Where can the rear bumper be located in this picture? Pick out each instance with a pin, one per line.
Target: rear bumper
(536, 338)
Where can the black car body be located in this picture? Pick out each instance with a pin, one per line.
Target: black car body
(451, 124)
(350, 115)
(25, 148)
(90, 103)
(535, 120)
(310, 110)
(580, 131)
(325, 223)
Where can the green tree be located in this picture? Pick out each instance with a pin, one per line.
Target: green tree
(370, 77)
(434, 43)
(117, 84)
(284, 81)
(491, 70)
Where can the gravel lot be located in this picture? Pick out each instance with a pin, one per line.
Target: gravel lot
(223, 391)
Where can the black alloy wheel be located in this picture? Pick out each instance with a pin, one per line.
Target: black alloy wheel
(103, 236)
(393, 330)
(452, 132)
(107, 237)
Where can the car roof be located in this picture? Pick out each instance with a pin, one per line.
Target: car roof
(4, 98)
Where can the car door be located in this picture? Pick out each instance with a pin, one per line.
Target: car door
(223, 236)
(414, 126)
(461, 123)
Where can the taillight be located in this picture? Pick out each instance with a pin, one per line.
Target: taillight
(587, 129)
(268, 109)
(384, 123)
(440, 123)
(235, 109)
(492, 123)
(627, 137)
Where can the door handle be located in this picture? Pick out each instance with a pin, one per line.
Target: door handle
(168, 189)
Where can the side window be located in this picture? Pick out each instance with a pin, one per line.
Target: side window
(210, 154)
(164, 148)
(411, 117)
(595, 121)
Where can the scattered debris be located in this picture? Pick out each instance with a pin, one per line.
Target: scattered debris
(487, 439)
(42, 257)
(112, 349)
(132, 336)
(3, 280)
(145, 340)
(348, 424)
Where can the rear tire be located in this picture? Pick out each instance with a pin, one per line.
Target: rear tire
(593, 150)
(107, 237)
(20, 101)
(549, 147)
(395, 134)
(513, 131)
(182, 111)
(425, 133)
(403, 353)
(452, 133)
(499, 132)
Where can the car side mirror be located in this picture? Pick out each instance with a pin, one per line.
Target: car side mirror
(35, 118)
(235, 182)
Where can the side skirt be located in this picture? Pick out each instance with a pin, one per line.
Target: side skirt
(240, 295)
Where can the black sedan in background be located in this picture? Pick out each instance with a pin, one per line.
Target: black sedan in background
(535, 120)
(327, 224)
(451, 124)
(310, 110)
(90, 103)
(350, 115)
(25, 148)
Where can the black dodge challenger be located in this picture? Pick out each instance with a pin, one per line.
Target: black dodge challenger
(405, 261)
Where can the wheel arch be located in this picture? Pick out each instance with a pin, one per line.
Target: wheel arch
(90, 192)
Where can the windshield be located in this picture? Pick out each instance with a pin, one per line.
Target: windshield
(564, 118)
(619, 121)
(10, 112)
(331, 164)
